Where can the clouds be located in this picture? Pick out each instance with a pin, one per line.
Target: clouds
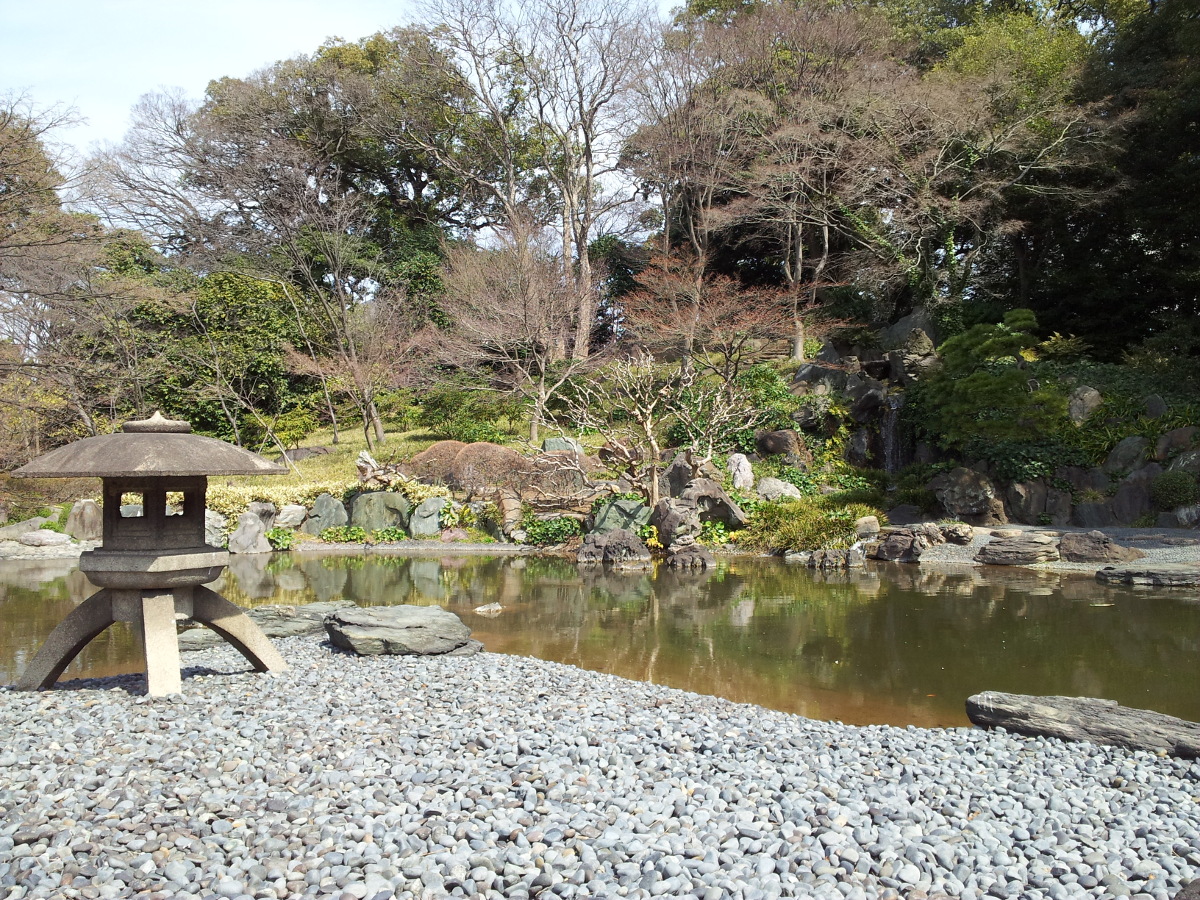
(101, 57)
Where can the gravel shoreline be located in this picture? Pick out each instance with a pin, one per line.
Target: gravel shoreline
(512, 777)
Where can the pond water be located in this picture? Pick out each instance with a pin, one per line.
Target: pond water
(893, 644)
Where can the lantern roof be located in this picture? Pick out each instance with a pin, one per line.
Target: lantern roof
(154, 447)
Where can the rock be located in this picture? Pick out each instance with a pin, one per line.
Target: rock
(692, 556)
(623, 514)
(678, 524)
(454, 535)
(1152, 574)
(510, 513)
(820, 378)
(425, 520)
(1155, 406)
(1093, 514)
(713, 504)
(904, 514)
(214, 528)
(957, 533)
(900, 334)
(1190, 891)
(1086, 719)
(276, 621)
(1058, 506)
(967, 495)
(291, 515)
(675, 477)
(1132, 499)
(741, 472)
(1128, 455)
(488, 610)
(327, 512)
(1175, 441)
(1095, 546)
(1081, 479)
(868, 398)
(866, 527)
(265, 511)
(1026, 501)
(376, 510)
(864, 449)
(397, 630)
(1024, 550)
(1188, 461)
(86, 521)
(1082, 403)
(250, 536)
(784, 442)
(900, 545)
(619, 549)
(13, 532)
(43, 537)
(774, 489)
(562, 445)
(827, 560)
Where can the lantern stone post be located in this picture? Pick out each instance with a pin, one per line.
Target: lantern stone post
(151, 568)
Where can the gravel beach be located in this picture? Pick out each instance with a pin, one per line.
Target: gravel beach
(505, 776)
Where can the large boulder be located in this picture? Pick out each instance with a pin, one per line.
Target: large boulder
(693, 556)
(13, 532)
(276, 621)
(376, 510)
(1095, 546)
(399, 631)
(86, 521)
(265, 510)
(425, 520)
(327, 512)
(44, 537)
(866, 527)
(1093, 514)
(678, 523)
(740, 472)
(214, 528)
(713, 504)
(967, 495)
(785, 442)
(1023, 550)
(620, 514)
(1025, 501)
(773, 489)
(901, 334)
(1152, 574)
(867, 397)
(1175, 441)
(620, 549)
(250, 536)
(1188, 461)
(290, 515)
(1128, 455)
(675, 477)
(1082, 403)
(820, 378)
(562, 445)
(1132, 499)
(900, 545)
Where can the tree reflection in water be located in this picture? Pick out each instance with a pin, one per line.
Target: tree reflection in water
(896, 644)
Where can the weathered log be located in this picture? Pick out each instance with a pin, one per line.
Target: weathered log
(1086, 719)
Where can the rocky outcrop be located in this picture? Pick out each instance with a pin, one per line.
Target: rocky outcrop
(1022, 550)
(713, 504)
(1086, 719)
(678, 523)
(900, 545)
(774, 489)
(1082, 403)
(1152, 574)
(327, 512)
(787, 443)
(1175, 441)
(740, 472)
(619, 549)
(276, 621)
(376, 510)
(1129, 454)
(1095, 546)
(970, 496)
(399, 631)
(85, 521)
(620, 514)
(250, 536)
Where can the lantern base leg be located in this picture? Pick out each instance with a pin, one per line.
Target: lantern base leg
(155, 626)
(70, 636)
(231, 622)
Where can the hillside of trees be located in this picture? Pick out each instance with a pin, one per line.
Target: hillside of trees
(492, 202)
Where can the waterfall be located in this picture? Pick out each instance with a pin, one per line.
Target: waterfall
(894, 451)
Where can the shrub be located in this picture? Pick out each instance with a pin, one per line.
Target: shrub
(805, 524)
(344, 534)
(281, 538)
(714, 533)
(389, 535)
(550, 531)
(1172, 489)
(232, 500)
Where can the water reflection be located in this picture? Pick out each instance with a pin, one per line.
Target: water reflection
(896, 644)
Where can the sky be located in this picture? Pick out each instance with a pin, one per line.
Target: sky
(100, 56)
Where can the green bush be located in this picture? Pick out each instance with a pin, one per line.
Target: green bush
(281, 538)
(550, 531)
(389, 535)
(458, 413)
(344, 534)
(714, 533)
(1172, 489)
(805, 524)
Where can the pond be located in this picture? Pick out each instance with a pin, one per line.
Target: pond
(892, 644)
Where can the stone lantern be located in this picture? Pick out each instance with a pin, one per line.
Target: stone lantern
(152, 566)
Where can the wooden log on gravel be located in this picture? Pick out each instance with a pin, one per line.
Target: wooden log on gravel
(1086, 719)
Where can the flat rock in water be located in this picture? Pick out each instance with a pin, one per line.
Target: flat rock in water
(276, 621)
(1153, 574)
(398, 631)
(1086, 719)
(44, 538)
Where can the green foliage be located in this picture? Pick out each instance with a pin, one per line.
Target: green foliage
(281, 538)
(458, 413)
(714, 533)
(550, 531)
(1172, 489)
(649, 534)
(344, 534)
(390, 535)
(1015, 460)
(805, 524)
